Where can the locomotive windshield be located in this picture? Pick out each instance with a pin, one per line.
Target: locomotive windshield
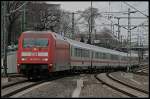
(35, 42)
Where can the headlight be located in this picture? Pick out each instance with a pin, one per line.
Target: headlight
(45, 59)
(23, 59)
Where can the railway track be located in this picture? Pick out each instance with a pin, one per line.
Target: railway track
(14, 79)
(12, 84)
(16, 88)
(144, 71)
(118, 86)
(119, 81)
(16, 75)
(141, 73)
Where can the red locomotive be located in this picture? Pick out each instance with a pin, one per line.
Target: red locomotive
(45, 52)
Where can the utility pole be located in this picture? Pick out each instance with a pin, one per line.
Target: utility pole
(118, 24)
(129, 40)
(91, 35)
(73, 25)
(5, 37)
(2, 29)
(24, 17)
(139, 44)
(112, 28)
(118, 29)
(90, 27)
(121, 41)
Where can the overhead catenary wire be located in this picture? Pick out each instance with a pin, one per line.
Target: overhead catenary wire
(136, 9)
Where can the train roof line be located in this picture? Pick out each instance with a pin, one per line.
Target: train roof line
(96, 48)
(83, 45)
(38, 32)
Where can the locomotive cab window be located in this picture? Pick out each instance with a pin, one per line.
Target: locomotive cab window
(35, 42)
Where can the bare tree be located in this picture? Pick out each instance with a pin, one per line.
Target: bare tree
(65, 23)
(42, 16)
(86, 16)
(50, 19)
(13, 17)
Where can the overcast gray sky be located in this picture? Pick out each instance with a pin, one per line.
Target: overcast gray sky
(114, 6)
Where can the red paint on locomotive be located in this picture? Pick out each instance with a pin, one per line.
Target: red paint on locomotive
(30, 55)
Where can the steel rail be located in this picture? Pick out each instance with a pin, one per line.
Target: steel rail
(116, 80)
(21, 89)
(115, 88)
(12, 84)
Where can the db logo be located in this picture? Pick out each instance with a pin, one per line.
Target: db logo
(35, 54)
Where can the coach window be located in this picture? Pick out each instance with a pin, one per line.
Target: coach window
(112, 56)
(96, 54)
(104, 55)
(132, 58)
(108, 56)
(126, 58)
(78, 52)
(86, 53)
(99, 55)
(75, 52)
(117, 57)
(83, 52)
(121, 58)
(71, 51)
(136, 58)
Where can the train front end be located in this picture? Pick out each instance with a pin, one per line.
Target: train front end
(34, 56)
